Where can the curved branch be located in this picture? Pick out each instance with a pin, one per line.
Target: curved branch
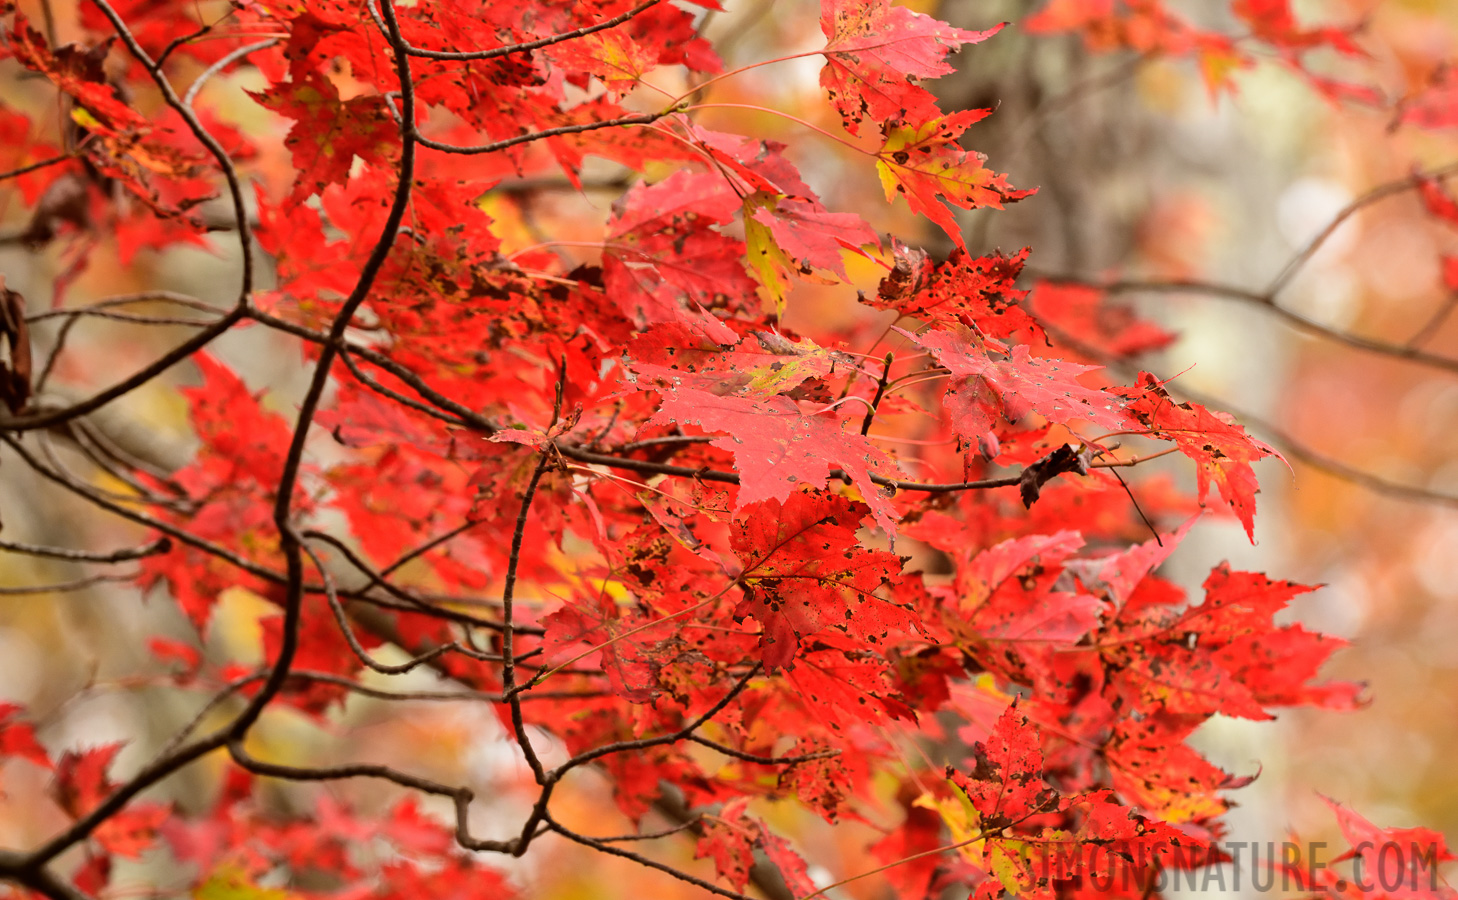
(1267, 299)
(602, 846)
(588, 756)
(493, 147)
(222, 64)
(161, 545)
(225, 163)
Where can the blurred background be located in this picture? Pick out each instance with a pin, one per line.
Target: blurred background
(1146, 174)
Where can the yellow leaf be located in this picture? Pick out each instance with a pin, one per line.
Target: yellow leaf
(231, 884)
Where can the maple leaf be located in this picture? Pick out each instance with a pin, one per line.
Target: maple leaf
(1436, 106)
(778, 447)
(1007, 785)
(1117, 577)
(614, 57)
(843, 684)
(81, 784)
(730, 839)
(78, 71)
(143, 155)
(664, 263)
(979, 291)
(18, 738)
(1437, 200)
(770, 364)
(984, 387)
(760, 165)
(1085, 314)
(729, 844)
(874, 54)
(1151, 767)
(1225, 654)
(921, 159)
(1007, 827)
(1402, 861)
(789, 234)
(804, 571)
(635, 649)
(1005, 592)
(1274, 22)
(238, 466)
(1222, 449)
(328, 133)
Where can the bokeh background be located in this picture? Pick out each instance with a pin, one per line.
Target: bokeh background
(1144, 173)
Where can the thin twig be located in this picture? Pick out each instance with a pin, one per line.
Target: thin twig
(161, 545)
(65, 586)
(222, 64)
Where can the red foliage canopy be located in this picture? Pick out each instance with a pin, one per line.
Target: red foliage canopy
(613, 497)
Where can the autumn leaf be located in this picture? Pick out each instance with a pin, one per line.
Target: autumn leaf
(1090, 317)
(1152, 767)
(18, 738)
(964, 290)
(329, 132)
(805, 571)
(876, 52)
(665, 263)
(1027, 836)
(920, 159)
(628, 646)
(990, 382)
(1007, 785)
(730, 840)
(1222, 449)
(779, 446)
(789, 235)
(82, 783)
(612, 56)
(1436, 105)
(1403, 861)
(763, 365)
(1225, 654)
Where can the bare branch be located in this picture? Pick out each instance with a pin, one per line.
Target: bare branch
(161, 545)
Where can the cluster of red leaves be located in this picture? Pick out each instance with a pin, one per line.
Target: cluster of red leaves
(1149, 27)
(700, 505)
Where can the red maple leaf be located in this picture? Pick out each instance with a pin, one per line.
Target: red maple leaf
(18, 738)
(985, 386)
(730, 839)
(980, 291)
(1028, 837)
(786, 235)
(805, 571)
(1225, 654)
(1398, 863)
(82, 783)
(1086, 315)
(328, 132)
(1436, 105)
(779, 447)
(921, 159)
(1007, 786)
(875, 53)
(664, 262)
(1222, 449)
